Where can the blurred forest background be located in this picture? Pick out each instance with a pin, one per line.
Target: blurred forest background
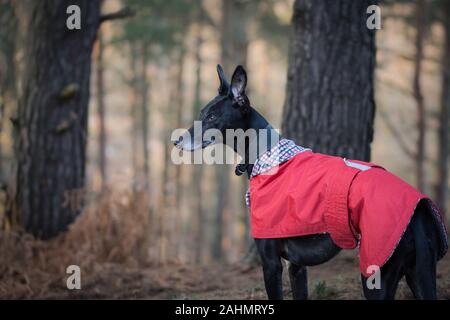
(86, 118)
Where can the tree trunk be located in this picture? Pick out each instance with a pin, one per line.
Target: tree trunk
(134, 108)
(243, 12)
(145, 112)
(180, 231)
(418, 96)
(101, 114)
(329, 102)
(53, 112)
(179, 112)
(223, 171)
(164, 210)
(8, 23)
(198, 169)
(234, 45)
(444, 119)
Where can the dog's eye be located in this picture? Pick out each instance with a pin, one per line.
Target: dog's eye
(211, 117)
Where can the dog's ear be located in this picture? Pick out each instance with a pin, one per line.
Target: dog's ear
(238, 85)
(224, 86)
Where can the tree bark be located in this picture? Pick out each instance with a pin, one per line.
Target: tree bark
(329, 104)
(444, 119)
(418, 95)
(102, 165)
(8, 44)
(53, 113)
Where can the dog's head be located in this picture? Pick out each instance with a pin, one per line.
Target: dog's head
(228, 110)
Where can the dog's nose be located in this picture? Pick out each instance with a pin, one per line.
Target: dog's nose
(180, 139)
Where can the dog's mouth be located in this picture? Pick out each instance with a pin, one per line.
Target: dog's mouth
(206, 143)
(193, 145)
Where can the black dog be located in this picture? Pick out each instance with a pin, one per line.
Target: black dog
(415, 256)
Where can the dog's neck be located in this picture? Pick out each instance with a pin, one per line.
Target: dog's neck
(266, 138)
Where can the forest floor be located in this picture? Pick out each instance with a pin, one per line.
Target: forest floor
(337, 279)
(112, 252)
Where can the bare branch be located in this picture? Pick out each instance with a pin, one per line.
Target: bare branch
(125, 12)
(397, 135)
(396, 86)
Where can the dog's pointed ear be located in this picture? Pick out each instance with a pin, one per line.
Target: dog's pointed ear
(238, 82)
(224, 86)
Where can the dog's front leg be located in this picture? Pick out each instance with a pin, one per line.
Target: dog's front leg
(272, 268)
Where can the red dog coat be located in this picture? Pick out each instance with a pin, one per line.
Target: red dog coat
(315, 193)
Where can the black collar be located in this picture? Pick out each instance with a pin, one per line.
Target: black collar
(270, 143)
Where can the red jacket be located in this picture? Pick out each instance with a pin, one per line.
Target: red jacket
(315, 193)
